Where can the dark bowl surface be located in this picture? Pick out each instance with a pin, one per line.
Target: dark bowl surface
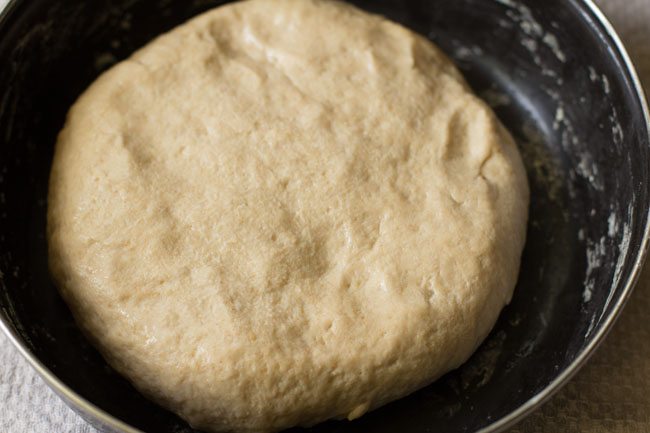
(553, 72)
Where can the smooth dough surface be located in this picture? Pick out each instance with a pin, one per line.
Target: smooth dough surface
(285, 211)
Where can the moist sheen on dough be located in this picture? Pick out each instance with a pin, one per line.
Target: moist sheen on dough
(285, 211)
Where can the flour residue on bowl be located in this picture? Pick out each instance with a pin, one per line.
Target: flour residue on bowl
(609, 243)
(617, 233)
(478, 373)
(618, 237)
(623, 247)
(535, 37)
(551, 41)
(602, 81)
(616, 227)
(467, 52)
(612, 224)
(585, 165)
(596, 253)
(617, 130)
(541, 164)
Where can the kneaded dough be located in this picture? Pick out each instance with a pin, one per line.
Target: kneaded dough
(285, 211)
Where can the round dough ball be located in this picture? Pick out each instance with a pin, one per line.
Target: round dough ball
(285, 211)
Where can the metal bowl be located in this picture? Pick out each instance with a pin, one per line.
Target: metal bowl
(555, 73)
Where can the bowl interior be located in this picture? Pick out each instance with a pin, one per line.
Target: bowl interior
(550, 71)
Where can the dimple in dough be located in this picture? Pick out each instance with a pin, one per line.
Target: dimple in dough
(285, 211)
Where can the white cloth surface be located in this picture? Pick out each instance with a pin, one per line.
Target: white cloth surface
(586, 404)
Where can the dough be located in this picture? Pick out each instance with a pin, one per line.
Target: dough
(285, 211)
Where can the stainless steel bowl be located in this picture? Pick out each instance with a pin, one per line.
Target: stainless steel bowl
(555, 73)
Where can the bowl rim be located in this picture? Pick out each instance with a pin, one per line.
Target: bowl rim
(71, 398)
